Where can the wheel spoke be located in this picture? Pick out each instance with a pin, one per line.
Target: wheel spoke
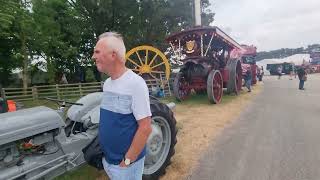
(157, 65)
(146, 58)
(154, 77)
(139, 58)
(158, 72)
(132, 61)
(154, 57)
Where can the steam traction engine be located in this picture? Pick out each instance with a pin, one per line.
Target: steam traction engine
(207, 66)
(248, 62)
(315, 60)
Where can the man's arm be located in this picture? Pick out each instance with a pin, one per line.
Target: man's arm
(139, 140)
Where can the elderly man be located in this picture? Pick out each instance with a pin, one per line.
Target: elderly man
(125, 116)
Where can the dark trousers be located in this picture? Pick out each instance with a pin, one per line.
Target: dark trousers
(301, 84)
(248, 84)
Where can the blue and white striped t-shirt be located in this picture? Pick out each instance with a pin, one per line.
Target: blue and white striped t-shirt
(125, 101)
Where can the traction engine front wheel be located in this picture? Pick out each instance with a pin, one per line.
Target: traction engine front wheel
(181, 88)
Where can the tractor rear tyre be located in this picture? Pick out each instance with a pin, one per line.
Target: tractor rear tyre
(215, 87)
(235, 76)
(161, 142)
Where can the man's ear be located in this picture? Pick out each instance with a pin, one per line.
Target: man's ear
(114, 54)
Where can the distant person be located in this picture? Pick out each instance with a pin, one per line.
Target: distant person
(260, 73)
(248, 79)
(302, 74)
(291, 68)
(160, 93)
(279, 71)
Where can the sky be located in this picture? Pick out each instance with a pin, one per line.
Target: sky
(269, 24)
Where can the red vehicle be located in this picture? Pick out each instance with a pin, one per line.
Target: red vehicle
(315, 61)
(248, 62)
(207, 65)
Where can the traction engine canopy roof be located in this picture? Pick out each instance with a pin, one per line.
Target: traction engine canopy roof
(207, 34)
(249, 50)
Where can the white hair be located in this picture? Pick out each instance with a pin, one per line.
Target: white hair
(117, 43)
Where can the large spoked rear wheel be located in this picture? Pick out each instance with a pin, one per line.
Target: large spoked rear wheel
(235, 76)
(215, 87)
(148, 62)
(161, 142)
(181, 88)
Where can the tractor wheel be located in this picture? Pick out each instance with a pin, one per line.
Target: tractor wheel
(181, 88)
(161, 142)
(215, 87)
(235, 76)
(148, 62)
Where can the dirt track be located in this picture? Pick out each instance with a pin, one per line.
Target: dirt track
(276, 138)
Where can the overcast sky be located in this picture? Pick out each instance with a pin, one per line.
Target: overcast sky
(269, 24)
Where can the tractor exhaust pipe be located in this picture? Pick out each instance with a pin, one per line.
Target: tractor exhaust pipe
(197, 12)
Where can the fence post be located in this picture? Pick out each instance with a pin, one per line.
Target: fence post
(80, 89)
(58, 92)
(34, 93)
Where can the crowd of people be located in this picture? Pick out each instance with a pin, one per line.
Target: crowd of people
(300, 71)
(293, 71)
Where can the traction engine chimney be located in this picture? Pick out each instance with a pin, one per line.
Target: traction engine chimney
(197, 11)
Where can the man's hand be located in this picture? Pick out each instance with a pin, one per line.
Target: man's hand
(122, 164)
(140, 139)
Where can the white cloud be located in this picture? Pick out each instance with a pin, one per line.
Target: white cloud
(269, 24)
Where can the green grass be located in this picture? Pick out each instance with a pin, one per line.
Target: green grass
(85, 172)
(30, 104)
(197, 99)
(44, 102)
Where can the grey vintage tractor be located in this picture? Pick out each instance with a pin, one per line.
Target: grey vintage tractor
(39, 143)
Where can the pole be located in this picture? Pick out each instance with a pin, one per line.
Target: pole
(197, 11)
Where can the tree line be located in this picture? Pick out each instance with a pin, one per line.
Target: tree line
(285, 52)
(59, 35)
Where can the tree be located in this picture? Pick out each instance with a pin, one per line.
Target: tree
(7, 59)
(16, 35)
(140, 21)
(64, 32)
(59, 36)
